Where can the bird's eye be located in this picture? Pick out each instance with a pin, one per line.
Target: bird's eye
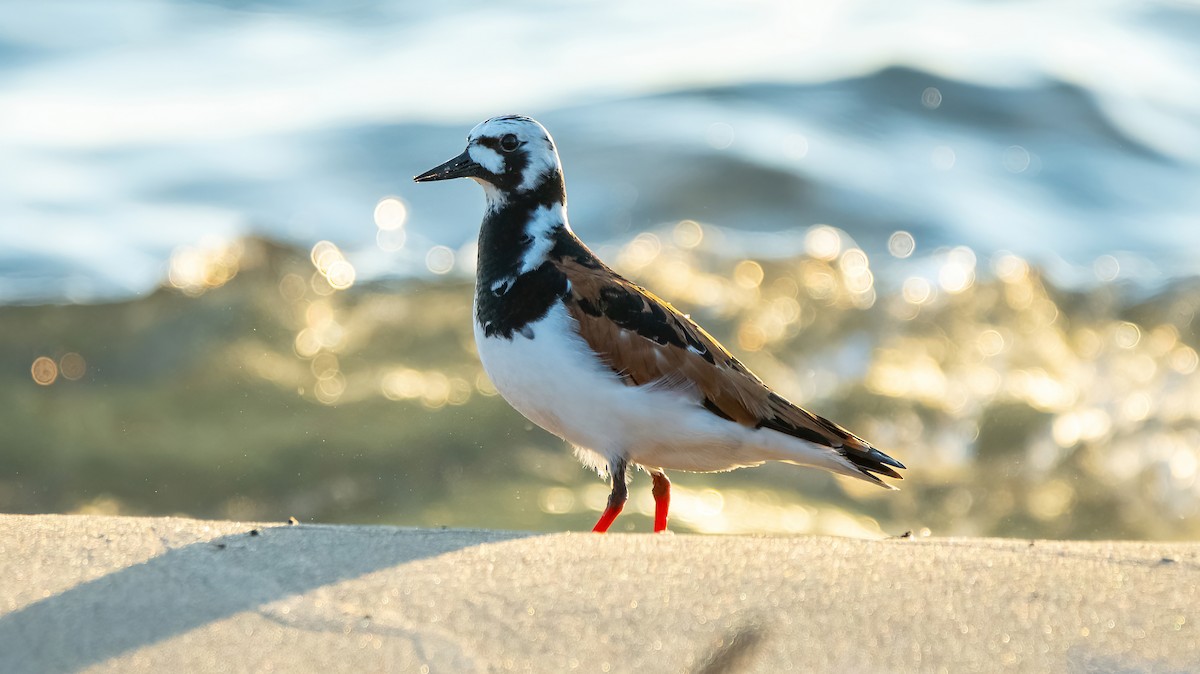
(509, 143)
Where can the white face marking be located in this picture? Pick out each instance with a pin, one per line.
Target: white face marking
(487, 158)
(536, 144)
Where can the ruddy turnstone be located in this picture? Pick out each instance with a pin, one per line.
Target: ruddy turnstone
(605, 364)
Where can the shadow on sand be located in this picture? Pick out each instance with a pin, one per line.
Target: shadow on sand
(93, 622)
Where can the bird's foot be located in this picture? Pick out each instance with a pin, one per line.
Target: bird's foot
(662, 500)
(616, 500)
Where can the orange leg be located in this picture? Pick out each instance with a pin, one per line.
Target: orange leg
(616, 500)
(662, 500)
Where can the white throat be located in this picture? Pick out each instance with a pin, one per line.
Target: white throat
(495, 198)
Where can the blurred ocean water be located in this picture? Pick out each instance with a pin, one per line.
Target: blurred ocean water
(1058, 131)
(968, 231)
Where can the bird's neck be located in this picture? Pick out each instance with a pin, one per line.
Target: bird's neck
(514, 285)
(519, 231)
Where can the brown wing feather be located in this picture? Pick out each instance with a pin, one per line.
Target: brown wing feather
(647, 341)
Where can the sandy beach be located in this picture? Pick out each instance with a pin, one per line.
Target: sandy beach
(111, 594)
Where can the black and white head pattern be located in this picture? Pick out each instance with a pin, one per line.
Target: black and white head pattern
(516, 155)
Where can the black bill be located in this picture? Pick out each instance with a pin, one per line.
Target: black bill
(460, 167)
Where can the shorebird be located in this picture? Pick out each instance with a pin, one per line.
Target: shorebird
(605, 364)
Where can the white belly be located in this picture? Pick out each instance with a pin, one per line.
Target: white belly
(559, 383)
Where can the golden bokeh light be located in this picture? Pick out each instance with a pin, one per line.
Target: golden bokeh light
(641, 251)
(318, 313)
(787, 308)
(857, 277)
(915, 375)
(390, 213)
(320, 285)
(854, 261)
(331, 335)
(72, 366)
(402, 384)
(292, 287)
(786, 286)
(1070, 428)
(1135, 408)
(324, 365)
(322, 330)
(556, 500)
(306, 343)
(748, 274)
(484, 385)
(1051, 499)
(330, 389)
(332, 267)
(1010, 268)
(1162, 339)
(1184, 359)
(1127, 335)
(1041, 390)
(688, 234)
(44, 370)
(460, 391)
(958, 271)
(917, 290)
(819, 280)
(991, 342)
(1183, 465)
(751, 337)
(196, 269)
(823, 242)
(1019, 294)
(341, 275)
(323, 254)
(435, 389)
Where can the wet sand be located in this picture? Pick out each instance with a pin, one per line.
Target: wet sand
(166, 594)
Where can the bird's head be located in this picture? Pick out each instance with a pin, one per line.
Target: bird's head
(510, 156)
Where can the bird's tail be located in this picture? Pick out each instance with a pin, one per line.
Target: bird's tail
(868, 461)
(836, 449)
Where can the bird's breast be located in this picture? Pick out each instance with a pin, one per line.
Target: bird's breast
(548, 372)
(506, 306)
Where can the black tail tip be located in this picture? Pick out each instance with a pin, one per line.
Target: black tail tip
(884, 458)
(874, 461)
